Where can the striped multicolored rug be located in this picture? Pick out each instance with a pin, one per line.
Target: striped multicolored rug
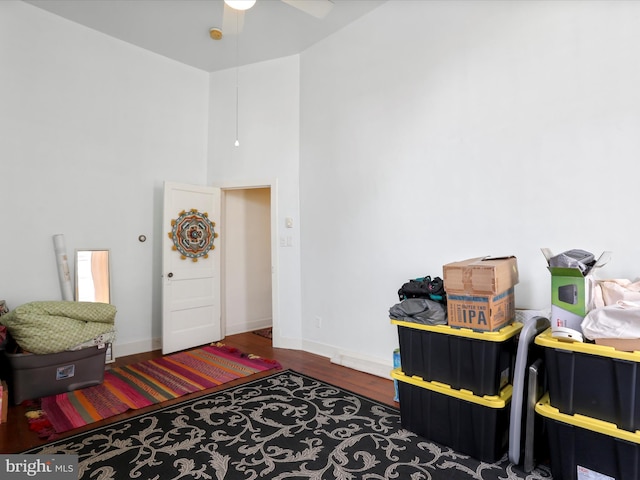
(147, 383)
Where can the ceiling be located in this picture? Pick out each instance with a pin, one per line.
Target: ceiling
(179, 29)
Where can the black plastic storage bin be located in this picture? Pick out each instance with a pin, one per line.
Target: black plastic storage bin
(34, 376)
(481, 362)
(472, 425)
(582, 447)
(593, 380)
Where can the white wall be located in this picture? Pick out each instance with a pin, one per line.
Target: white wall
(269, 123)
(91, 127)
(247, 254)
(466, 128)
(434, 131)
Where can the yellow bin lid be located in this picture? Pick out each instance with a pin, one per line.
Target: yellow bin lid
(505, 333)
(544, 408)
(546, 339)
(491, 401)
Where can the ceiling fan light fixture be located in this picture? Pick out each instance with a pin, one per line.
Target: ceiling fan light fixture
(240, 4)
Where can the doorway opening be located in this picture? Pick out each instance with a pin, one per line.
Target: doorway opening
(247, 300)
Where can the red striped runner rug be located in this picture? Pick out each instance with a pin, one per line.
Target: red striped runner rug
(150, 382)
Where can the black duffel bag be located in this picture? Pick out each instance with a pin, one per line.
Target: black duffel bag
(425, 287)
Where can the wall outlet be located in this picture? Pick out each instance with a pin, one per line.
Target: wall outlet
(318, 322)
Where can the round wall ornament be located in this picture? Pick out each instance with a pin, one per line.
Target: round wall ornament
(193, 234)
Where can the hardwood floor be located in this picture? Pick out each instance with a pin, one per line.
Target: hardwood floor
(15, 435)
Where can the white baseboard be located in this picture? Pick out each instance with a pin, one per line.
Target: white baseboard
(288, 343)
(133, 348)
(352, 360)
(234, 329)
(372, 366)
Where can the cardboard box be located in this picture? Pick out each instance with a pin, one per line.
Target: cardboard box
(572, 292)
(622, 344)
(481, 276)
(481, 312)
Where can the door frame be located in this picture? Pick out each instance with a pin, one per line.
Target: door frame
(272, 185)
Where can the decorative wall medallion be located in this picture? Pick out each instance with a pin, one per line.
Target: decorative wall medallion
(193, 234)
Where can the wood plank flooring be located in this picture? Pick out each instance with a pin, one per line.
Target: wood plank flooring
(15, 435)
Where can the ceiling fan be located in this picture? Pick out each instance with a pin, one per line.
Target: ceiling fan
(234, 10)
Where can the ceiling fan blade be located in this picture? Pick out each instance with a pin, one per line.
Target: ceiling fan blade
(232, 20)
(315, 8)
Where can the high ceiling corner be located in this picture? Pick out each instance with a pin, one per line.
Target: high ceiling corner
(179, 29)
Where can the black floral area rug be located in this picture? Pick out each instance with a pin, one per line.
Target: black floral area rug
(284, 426)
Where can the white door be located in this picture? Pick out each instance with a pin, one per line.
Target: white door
(191, 277)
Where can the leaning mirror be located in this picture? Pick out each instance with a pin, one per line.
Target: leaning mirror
(92, 276)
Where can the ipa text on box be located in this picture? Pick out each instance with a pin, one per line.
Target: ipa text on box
(480, 312)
